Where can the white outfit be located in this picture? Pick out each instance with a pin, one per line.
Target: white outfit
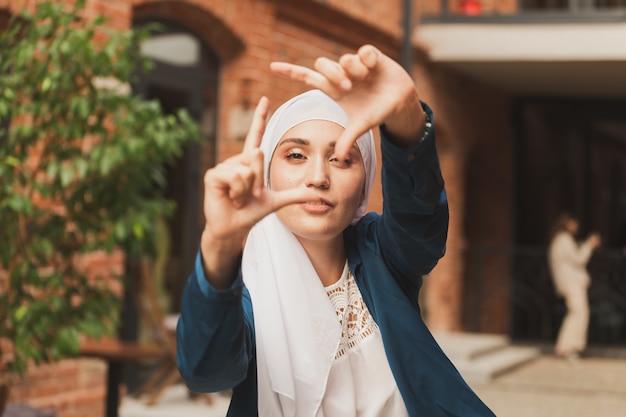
(568, 265)
(360, 382)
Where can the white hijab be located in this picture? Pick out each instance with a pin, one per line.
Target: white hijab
(297, 331)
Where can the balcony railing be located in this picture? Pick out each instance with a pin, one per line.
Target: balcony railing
(525, 11)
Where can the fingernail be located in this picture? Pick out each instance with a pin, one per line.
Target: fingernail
(345, 84)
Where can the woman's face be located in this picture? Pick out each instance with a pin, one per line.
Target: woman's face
(572, 226)
(306, 155)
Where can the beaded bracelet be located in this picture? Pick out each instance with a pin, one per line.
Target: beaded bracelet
(429, 126)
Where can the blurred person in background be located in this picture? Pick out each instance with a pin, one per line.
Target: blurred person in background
(568, 260)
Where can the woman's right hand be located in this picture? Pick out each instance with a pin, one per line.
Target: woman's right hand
(235, 199)
(594, 240)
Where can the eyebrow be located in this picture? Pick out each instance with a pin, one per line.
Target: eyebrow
(297, 141)
(306, 142)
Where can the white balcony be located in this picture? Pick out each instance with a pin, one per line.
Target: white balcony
(563, 59)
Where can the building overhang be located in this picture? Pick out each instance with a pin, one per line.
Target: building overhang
(558, 59)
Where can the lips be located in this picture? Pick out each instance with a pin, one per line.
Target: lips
(318, 203)
(318, 206)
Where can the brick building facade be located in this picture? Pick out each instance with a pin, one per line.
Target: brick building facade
(236, 40)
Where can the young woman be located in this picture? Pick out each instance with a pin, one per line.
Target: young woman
(568, 265)
(300, 302)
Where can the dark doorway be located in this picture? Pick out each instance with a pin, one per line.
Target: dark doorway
(569, 157)
(189, 82)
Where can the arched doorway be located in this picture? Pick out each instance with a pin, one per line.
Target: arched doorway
(569, 157)
(184, 75)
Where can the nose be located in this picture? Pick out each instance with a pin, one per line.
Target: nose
(318, 175)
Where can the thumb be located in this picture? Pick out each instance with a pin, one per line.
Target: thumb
(280, 199)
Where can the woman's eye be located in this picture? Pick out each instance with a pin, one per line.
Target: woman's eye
(342, 163)
(294, 155)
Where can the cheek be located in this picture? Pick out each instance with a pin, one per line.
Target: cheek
(353, 191)
(284, 180)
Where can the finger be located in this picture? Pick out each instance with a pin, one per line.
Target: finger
(256, 165)
(354, 67)
(283, 198)
(369, 55)
(349, 137)
(305, 75)
(295, 72)
(255, 134)
(333, 72)
(253, 159)
(272, 201)
(231, 180)
(240, 185)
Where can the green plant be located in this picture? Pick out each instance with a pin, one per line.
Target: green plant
(81, 170)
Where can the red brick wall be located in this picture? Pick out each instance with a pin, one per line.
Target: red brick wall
(386, 15)
(74, 388)
(247, 35)
(475, 143)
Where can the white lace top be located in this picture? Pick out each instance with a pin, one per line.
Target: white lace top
(360, 383)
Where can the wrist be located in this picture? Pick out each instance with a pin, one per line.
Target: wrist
(410, 124)
(220, 259)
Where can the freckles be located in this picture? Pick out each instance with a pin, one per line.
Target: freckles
(351, 194)
(287, 179)
(282, 182)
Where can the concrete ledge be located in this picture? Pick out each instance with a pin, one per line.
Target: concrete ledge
(482, 357)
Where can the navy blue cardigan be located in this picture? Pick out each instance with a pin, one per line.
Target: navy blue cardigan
(388, 254)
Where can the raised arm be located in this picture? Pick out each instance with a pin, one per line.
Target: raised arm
(375, 90)
(372, 88)
(234, 200)
(215, 342)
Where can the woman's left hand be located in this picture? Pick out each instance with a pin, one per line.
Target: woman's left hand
(371, 87)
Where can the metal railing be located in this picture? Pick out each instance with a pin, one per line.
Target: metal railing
(528, 11)
(519, 277)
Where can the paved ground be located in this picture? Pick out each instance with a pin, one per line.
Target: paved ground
(175, 403)
(549, 387)
(545, 387)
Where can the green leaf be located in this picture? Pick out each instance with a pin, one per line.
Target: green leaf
(53, 170)
(12, 161)
(67, 175)
(66, 343)
(19, 203)
(138, 230)
(45, 84)
(120, 231)
(9, 94)
(20, 313)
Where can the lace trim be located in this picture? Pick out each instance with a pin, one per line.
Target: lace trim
(354, 317)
